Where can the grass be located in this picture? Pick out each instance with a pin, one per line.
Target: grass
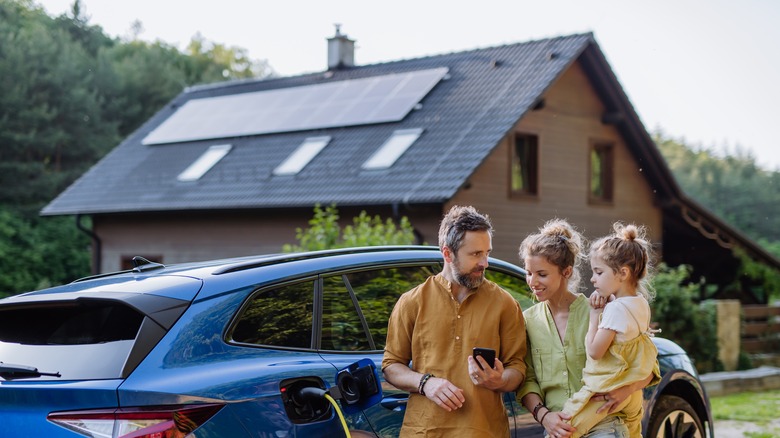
(755, 407)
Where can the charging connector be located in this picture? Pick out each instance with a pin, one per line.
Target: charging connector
(311, 394)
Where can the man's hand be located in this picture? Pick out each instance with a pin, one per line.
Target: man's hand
(442, 392)
(490, 377)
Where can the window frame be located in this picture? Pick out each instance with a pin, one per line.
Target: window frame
(204, 163)
(605, 152)
(532, 169)
(392, 149)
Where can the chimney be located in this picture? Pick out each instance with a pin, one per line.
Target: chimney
(341, 51)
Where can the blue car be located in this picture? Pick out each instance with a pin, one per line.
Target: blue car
(269, 346)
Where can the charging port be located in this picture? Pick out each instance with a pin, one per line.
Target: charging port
(304, 399)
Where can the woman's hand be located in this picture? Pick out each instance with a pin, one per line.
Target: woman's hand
(555, 423)
(613, 398)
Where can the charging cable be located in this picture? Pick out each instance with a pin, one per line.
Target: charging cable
(341, 415)
(312, 392)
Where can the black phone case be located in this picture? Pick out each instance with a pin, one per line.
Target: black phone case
(487, 353)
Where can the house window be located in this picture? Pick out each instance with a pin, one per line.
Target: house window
(524, 165)
(601, 172)
(205, 162)
(393, 148)
(302, 156)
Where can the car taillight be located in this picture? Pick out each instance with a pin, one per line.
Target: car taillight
(146, 422)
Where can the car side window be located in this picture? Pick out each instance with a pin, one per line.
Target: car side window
(378, 290)
(515, 285)
(342, 329)
(280, 317)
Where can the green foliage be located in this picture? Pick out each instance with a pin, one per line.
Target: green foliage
(681, 319)
(68, 95)
(38, 253)
(324, 232)
(732, 186)
(763, 279)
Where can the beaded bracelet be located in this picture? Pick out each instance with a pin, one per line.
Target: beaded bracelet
(423, 381)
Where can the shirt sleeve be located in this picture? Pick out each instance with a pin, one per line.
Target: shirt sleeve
(513, 337)
(398, 345)
(614, 318)
(530, 385)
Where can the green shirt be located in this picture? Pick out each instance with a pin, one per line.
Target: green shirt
(554, 368)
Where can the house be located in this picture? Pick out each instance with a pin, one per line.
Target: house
(524, 132)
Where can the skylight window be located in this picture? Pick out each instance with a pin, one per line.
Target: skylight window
(393, 148)
(302, 156)
(205, 162)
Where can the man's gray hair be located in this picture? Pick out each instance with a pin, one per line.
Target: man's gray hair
(457, 222)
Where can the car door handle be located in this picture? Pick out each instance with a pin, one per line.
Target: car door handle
(396, 402)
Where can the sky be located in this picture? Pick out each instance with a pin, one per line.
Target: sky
(706, 72)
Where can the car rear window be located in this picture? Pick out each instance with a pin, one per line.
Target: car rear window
(78, 340)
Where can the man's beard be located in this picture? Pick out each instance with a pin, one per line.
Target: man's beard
(466, 279)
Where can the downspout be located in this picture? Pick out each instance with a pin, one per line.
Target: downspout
(418, 236)
(96, 245)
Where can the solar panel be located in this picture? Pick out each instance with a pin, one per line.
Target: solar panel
(378, 99)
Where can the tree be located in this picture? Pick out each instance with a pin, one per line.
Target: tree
(680, 317)
(36, 253)
(324, 232)
(68, 95)
(732, 186)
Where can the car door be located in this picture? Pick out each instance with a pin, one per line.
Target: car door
(355, 310)
(356, 306)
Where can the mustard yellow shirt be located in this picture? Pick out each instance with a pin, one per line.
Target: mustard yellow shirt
(432, 333)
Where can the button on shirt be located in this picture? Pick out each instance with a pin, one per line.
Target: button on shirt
(433, 333)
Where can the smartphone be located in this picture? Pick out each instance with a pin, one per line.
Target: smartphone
(488, 354)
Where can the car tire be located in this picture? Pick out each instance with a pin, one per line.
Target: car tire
(673, 417)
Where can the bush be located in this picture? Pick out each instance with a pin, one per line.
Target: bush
(324, 232)
(683, 320)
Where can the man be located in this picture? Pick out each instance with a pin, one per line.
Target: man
(435, 326)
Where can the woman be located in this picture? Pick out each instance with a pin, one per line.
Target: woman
(556, 329)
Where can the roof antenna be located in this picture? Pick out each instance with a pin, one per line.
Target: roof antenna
(141, 264)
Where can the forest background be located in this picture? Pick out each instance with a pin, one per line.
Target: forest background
(69, 94)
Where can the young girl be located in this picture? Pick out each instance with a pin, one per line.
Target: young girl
(556, 328)
(618, 344)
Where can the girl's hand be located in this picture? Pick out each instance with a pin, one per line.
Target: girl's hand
(597, 301)
(555, 423)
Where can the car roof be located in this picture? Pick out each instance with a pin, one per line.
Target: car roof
(185, 281)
